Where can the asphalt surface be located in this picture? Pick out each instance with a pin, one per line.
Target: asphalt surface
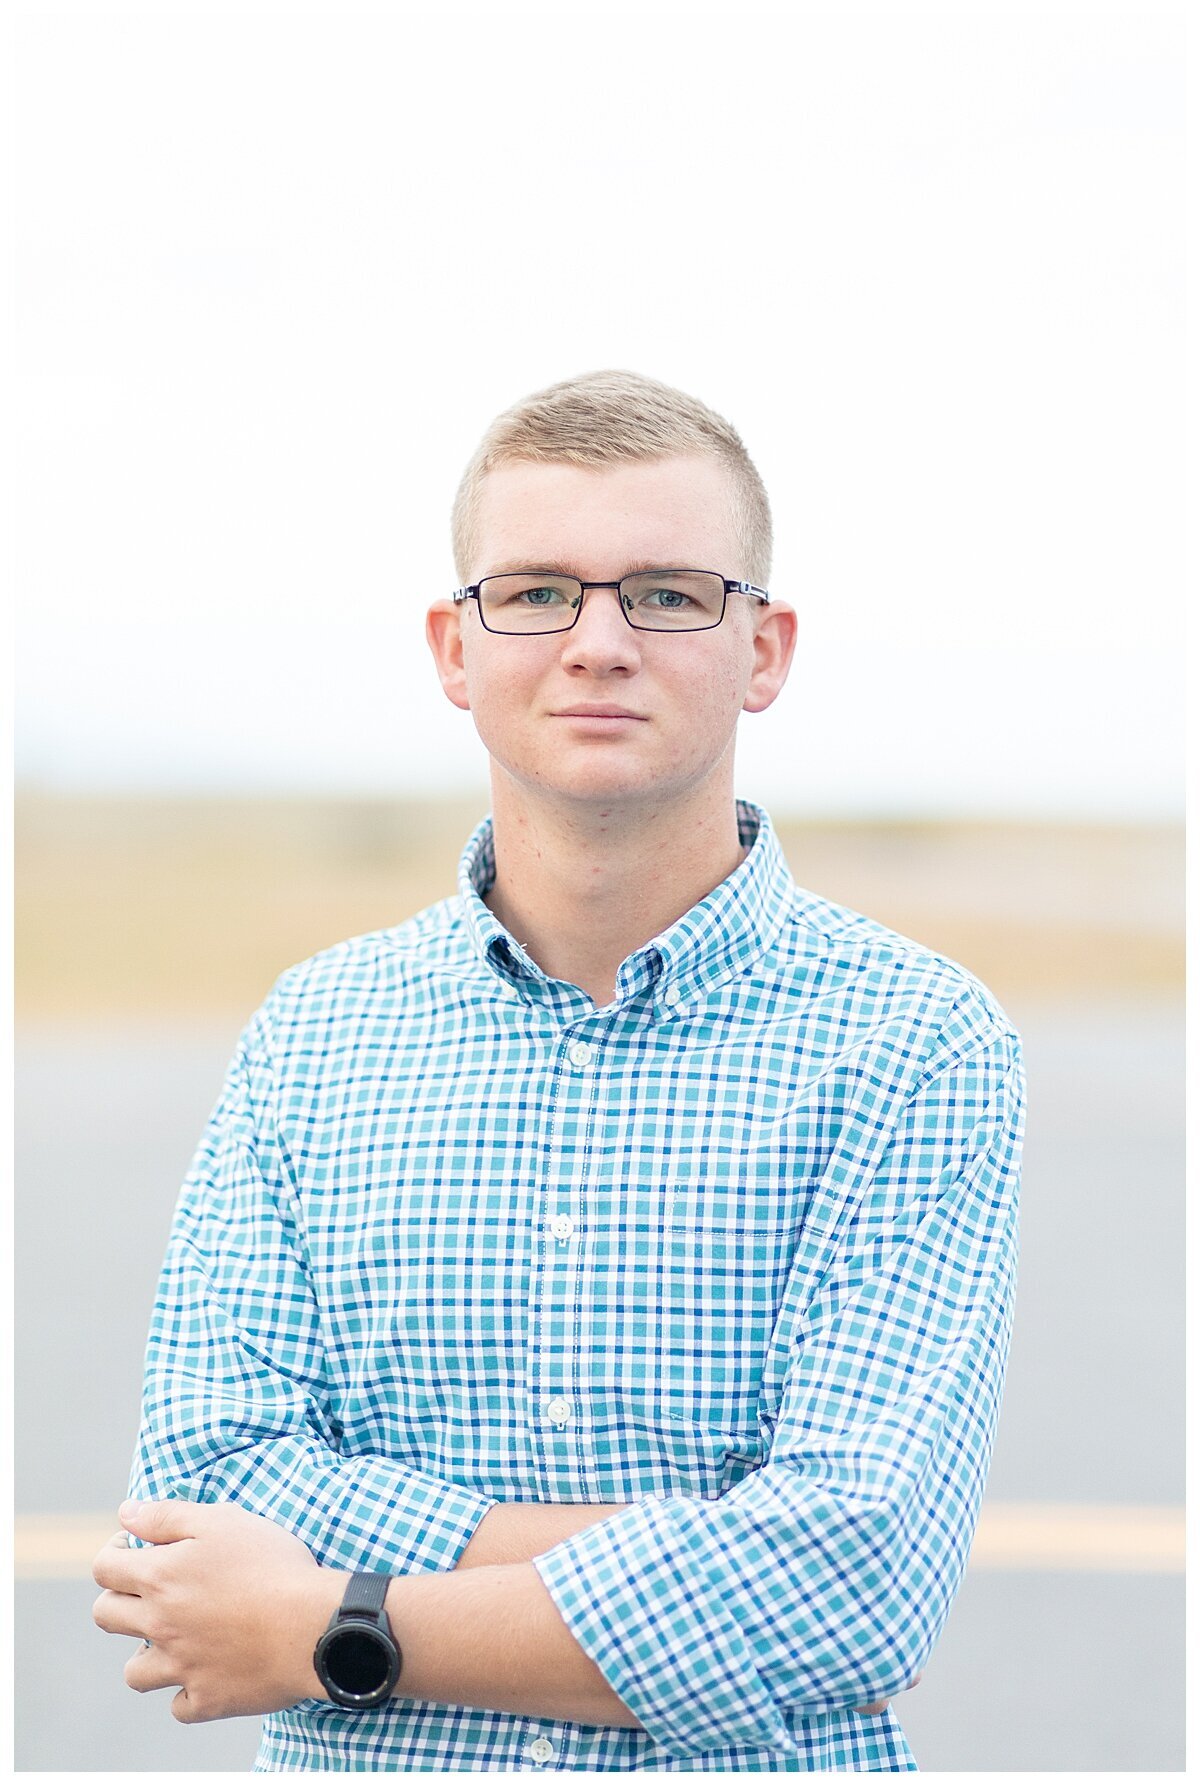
(1038, 1669)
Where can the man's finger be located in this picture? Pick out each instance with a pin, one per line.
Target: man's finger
(148, 1669)
(880, 1705)
(162, 1522)
(118, 1566)
(122, 1615)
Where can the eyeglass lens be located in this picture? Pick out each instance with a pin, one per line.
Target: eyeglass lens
(653, 601)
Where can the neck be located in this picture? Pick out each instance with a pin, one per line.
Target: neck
(582, 892)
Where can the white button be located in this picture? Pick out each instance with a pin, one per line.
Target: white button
(558, 1410)
(562, 1227)
(540, 1749)
(581, 1054)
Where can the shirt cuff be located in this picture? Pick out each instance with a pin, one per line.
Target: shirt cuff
(385, 1519)
(363, 1513)
(640, 1595)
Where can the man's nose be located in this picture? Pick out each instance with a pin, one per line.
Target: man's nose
(601, 639)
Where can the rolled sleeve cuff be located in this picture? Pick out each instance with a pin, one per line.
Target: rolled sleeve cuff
(382, 1519)
(640, 1595)
(353, 1513)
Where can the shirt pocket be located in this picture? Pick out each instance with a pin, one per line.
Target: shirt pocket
(717, 1262)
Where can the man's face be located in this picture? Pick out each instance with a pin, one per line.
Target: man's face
(602, 714)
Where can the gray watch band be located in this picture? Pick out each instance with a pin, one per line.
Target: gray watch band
(365, 1593)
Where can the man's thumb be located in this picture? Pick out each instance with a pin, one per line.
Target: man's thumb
(159, 1522)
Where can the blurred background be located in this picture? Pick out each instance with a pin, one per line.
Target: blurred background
(277, 269)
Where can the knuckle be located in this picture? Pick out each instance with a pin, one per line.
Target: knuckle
(169, 1565)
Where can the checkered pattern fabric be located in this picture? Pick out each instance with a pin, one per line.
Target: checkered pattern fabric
(736, 1250)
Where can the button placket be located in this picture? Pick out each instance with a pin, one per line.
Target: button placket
(557, 1377)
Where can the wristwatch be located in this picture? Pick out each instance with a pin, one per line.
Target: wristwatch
(357, 1659)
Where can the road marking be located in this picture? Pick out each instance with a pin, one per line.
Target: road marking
(59, 1546)
(1011, 1535)
(1036, 1535)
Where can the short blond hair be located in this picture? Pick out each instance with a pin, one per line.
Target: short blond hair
(602, 418)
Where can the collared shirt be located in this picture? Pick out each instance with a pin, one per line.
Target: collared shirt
(736, 1249)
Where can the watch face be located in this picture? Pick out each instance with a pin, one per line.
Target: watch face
(358, 1662)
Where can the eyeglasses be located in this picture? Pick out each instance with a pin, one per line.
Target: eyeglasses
(666, 601)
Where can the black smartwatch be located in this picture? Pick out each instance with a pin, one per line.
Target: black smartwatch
(357, 1659)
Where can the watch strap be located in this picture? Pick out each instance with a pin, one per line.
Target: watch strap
(364, 1593)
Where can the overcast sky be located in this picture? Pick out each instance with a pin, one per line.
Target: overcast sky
(279, 266)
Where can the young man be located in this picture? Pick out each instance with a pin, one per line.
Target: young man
(613, 1264)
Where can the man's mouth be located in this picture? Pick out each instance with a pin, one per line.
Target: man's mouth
(605, 712)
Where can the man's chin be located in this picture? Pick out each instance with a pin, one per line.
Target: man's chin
(597, 793)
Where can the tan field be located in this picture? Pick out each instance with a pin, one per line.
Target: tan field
(185, 905)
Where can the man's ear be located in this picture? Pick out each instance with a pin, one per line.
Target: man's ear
(774, 644)
(443, 630)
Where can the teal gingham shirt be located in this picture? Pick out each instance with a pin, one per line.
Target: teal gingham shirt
(737, 1249)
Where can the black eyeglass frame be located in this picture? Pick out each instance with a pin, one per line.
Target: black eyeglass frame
(733, 586)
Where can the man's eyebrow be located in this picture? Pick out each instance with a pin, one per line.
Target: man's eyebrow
(568, 568)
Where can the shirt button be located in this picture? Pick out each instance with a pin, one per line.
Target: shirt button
(562, 1227)
(558, 1409)
(540, 1749)
(581, 1054)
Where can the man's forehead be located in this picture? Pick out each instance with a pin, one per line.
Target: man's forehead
(636, 511)
(575, 567)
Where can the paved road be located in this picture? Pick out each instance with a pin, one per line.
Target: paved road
(1059, 1669)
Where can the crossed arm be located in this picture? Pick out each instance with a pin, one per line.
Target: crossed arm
(232, 1606)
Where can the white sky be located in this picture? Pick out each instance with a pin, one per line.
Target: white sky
(277, 268)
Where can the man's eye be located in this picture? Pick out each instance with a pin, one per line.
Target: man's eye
(541, 597)
(666, 598)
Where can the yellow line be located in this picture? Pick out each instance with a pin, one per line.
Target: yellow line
(60, 1546)
(1034, 1535)
(1011, 1535)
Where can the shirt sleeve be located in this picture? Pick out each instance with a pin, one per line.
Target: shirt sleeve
(822, 1580)
(236, 1405)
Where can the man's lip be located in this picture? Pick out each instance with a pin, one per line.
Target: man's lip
(596, 713)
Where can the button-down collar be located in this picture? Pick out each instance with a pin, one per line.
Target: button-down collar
(722, 935)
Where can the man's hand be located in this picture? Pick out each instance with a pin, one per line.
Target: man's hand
(881, 1705)
(230, 1604)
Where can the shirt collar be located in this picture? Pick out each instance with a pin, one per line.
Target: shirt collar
(721, 936)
